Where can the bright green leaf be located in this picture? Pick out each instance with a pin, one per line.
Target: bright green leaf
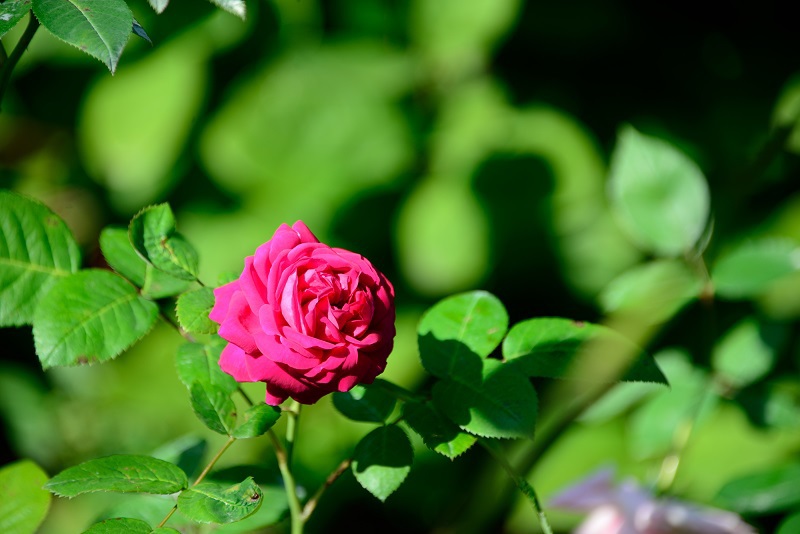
(98, 27)
(235, 7)
(212, 502)
(770, 491)
(159, 5)
(24, 504)
(749, 269)
(193, 308)
(123, 258)
(214, 407)
(36, 250)
(382, 460)
(91, 316)
(199, 363)
(437, 432)
(652, 292)
(120, 525)
(257, 420)
(747, 352)
(364, 403)
(499, 402)
(659, 196)
(11, 12)
(561, 348)
(153, 234)
(120, 473)
(458, 327)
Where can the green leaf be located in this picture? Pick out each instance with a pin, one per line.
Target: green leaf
(91, 316)
(235, 7)
(98, 27)
(193, 308)
(257, 420)
(750, 268)
(437, 432)
(790, 524)
(475, 321)
(186, 452)
(499, 402)
(747, 351)
(120, 473)
(658, 195)
(212, 502)
(199, 363)
(140, 31)
(159, 5)
(561, 348)
(153, 234)
(774, 490)
(382, 460)
(24, 504)
(652, 292)
(11, 12)
(214, 407)
(36, 250)
(364, 403)
(120, 525)
(123, 258)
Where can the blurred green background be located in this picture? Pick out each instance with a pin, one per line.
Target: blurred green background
(458, 144)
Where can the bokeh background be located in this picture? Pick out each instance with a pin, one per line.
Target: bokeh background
(458, 144)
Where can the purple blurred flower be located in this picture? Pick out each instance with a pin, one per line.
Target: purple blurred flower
(627, 508)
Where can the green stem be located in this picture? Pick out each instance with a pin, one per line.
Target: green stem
(13, 59)
(522, 484)
(291, 430)
(311, 504)
(295, 510)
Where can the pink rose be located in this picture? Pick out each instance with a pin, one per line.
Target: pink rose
(305, 318)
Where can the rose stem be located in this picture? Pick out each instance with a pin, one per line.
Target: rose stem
(312, 502)
(10, 61)
(281, 454)
(202, 475)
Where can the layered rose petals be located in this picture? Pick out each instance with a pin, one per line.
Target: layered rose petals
(305, 318)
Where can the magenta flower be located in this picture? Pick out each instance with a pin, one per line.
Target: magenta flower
(627, 508)
(305, 318)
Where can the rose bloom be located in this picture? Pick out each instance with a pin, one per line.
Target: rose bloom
(627, 508)
(305, 318)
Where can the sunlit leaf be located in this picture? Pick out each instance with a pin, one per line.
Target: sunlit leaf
(747, 351)
(193, 308)
(36, 250)
(153, 234)
(235, 7)
(159, 5)
(382, 460)
(120, 525)
(24, 504)
(774, 490)
(364, 403)
(98, 27)
(11, 12)
(437, 432)
(214, 407)
(212, 502)
(257, 420)
(750, 268)
(659, 196)
(119, 473)
(198, 363)
(90, 316)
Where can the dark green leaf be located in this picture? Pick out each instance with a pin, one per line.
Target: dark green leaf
(439, 433)
(561, 348)
(747, 351)
(11, 12)
(24, 503)
(365, 403)
(138, 30)
(120, 473)
(98, 27)
(235, 7)
(186, 452)
(475, 321)
(498, 402)
(750, 268)
(159, 5)
(193, 308)
(659, 196)
(36, 250)
(382, 460)
(257, 420)
(153, 234)
(91, 316)
(199, 363)
(123, 258)
(212, 502)
(120, 525)
(214, 407)
(773, 490)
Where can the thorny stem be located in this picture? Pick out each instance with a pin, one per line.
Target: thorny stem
(12, 60)
(202, 475)
(308, 509)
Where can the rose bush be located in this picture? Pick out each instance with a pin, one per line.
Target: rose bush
(305, 318)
